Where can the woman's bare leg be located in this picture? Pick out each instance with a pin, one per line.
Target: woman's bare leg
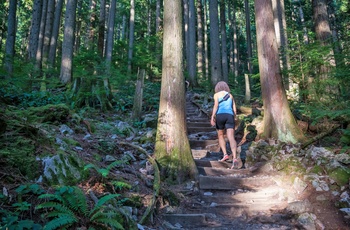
(222, 143)
(233, 144)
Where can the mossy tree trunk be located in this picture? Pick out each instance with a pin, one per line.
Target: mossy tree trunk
(92, 92)
(172, 149)
(137, 107)
(279, 122)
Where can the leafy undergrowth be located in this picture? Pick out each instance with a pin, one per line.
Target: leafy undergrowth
(110, 190)
(115, 181)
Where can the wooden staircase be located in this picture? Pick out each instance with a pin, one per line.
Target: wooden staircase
(226, 198)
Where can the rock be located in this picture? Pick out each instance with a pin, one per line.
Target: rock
(299, 185)
(307, 220)
(62, 169)
(340, 175)
(345, 210)
(319, 152)
(343, 158)
(109, 158)
(64, 129)
(299, 207)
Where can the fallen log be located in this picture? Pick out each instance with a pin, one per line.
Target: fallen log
(319, 136)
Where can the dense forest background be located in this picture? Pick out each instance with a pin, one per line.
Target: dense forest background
(91, 49)
(87, 57)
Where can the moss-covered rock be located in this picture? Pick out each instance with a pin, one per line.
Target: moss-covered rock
(340, 175)
(317, 169)
(48, 113)
(63, 169)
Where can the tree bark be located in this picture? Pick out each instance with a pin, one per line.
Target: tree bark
(324, 36)
(55, 32)
(281, 36)
(68, 42)
(172, 149)
(138, 97)
(249, 38)
(206, 56)
(90, 27)
(34, 29)
(215, 59)
(192, 44)
(110, 33)
(11, 38)
(200, 40)
(186, 34)
(234, 46)
(101, 28)
(48, 30)
(223, 41)
(279, 122)
(131, 34)
(39, 51)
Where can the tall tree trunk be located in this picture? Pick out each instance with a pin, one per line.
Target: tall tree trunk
(233, 46)
(186, 34)
(200, 40)
(138, 97)
(110, 33)
(55, 32)
(39, 53)
(78, 27)
(302, 19)
(149, 18)
(68, 42)
(46, 41)
(279, 122)
(334, 28)
(215, 59)
(122, 37)
(158, 29)
(192, 71)
(206, 50)
(172, 149)
(281, 35)
(131, 34)
(11, 38)
(249, 38)
(158, 18)
(324, 36)
(34, 29)
(223, 41)
(90, 27)
(101, 28)
(48, 29)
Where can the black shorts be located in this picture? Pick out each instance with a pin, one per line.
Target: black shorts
(225, 121)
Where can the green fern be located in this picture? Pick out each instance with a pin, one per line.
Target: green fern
(61, 221)
(68, 207)
(104, 200)
(104, 172)
(110, 222)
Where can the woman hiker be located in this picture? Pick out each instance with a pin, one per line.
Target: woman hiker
(223, 118)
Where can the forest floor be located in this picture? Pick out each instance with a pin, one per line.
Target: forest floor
(136, 173)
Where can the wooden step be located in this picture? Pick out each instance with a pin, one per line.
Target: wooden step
(191, 130)
(203, 144)
(209, 171)
(233, 182)
(199, 124)
(200, 153)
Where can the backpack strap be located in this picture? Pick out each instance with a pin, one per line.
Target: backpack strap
(225, 98)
